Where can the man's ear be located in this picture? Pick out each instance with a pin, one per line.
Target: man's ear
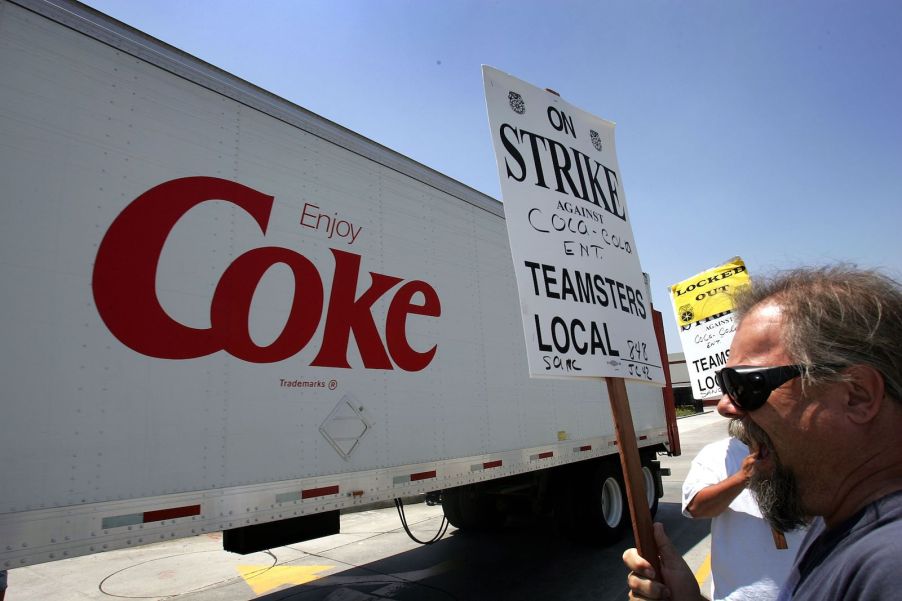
(866, 393)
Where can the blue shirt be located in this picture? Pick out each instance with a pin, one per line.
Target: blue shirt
(860, 559)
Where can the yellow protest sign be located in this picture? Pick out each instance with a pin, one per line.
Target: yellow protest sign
(709, 292)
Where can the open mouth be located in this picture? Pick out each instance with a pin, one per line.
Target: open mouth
(752, 436)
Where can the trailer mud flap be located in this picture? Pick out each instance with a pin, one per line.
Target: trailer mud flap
(259, 537)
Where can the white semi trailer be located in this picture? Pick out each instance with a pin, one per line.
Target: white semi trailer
(221, 312)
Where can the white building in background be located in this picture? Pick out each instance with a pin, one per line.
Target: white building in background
(682, 388)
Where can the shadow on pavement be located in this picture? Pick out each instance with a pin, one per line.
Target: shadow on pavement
(525, 561)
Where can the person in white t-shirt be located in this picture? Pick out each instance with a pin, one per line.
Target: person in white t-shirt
(745, 563)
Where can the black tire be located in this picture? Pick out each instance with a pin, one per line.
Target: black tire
(451, 507)
(469, 508)
(593, 508)
(651, 495)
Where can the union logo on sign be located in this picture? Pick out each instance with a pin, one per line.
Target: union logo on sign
(517, 103)
(596, 139)
(686, 313)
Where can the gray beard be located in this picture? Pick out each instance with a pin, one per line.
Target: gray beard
(777, 493)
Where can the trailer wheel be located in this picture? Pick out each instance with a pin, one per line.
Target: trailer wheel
(451, 508)
(594, 507)
(612, 502)
(648, 477)
(469, 508)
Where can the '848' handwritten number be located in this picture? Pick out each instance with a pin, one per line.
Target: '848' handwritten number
(638, 351)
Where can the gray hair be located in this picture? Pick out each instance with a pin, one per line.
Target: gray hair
(835, 317)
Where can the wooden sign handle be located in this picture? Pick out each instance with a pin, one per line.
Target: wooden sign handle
(632, 473)
(779, 539)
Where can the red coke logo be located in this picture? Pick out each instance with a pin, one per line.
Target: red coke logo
(125, 292)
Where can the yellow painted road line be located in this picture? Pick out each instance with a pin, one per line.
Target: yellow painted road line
(704, 571)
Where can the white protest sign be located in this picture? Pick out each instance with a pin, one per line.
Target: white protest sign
(706, 345)
(703, 305)
(583, 300)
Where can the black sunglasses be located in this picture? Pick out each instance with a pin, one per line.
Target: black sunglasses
(749, 386)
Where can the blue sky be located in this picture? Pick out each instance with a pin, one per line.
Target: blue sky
(769, 130)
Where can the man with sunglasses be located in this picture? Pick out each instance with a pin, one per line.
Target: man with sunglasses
(815, 376)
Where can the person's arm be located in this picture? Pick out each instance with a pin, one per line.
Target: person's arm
(713, 500)
(677, 582)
